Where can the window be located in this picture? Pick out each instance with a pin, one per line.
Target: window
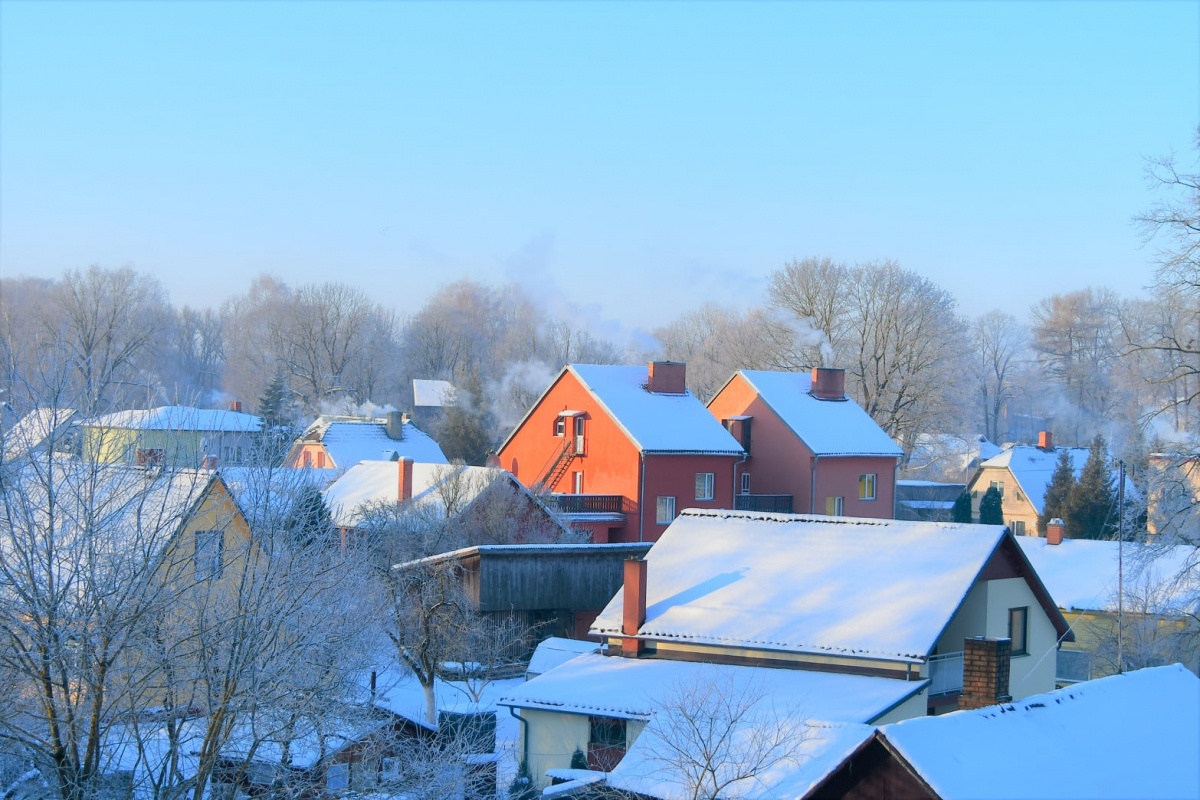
(745, 483)
(579, 434)
(704, 486)
(560, 426)
(866, 487)
(320, 458)
(149, 456)
(1017, 526)
(577, 482)
(389, 768)
(337, 777)
(666, 510)
(833, 506)
(998, 486)
(307, 459)
(606, 743)
(1018, 630)
(210, 555)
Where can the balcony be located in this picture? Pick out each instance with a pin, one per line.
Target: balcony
(608, 504)
(774, 503)
(946, 674)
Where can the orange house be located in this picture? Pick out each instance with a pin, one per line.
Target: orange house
(622, 450)
(811, 449)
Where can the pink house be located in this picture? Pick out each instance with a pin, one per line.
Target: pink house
(811, 449)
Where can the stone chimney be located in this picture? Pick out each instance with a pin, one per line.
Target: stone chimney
(667, 377)
(635, 606)
(1055, 531)
(1045, 440)
(236, 405)
(986, 667)
(828, 383)
(405, 479)
(394, 425)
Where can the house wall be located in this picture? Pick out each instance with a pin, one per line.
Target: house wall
(838, 477)
(540, 579)
(550, 738)
(182, 448)
(1034, 673)
(312, 454)
(915, 706)
(1015, 505)
(971, 620)
(675, 476)
(1149, 640)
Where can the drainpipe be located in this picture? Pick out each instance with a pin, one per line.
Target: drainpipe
(642, 499)
(512, 712)
(895, 480)
(812, 493)
(736, 464)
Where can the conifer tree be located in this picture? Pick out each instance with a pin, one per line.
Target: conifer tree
(991, 508)
(274, 404)
(309, 520)
(962, 507)
(1091, 505)
(1054, 503)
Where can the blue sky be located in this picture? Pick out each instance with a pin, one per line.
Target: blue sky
(634, 159)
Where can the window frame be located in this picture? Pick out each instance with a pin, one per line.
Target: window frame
(839, 506)
(867, 480)
(664, 503)
(342, 774)
(709, 480)
(577, 482)
(998, 486)
(560, 426)
(1023, 613)
(745, 483)
(205, 542)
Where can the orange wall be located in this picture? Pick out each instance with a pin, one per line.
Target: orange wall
(316, 453)
(780, 463)
(611, 464)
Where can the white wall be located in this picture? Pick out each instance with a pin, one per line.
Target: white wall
(915, 706)
(1034, 673)
(552, 739)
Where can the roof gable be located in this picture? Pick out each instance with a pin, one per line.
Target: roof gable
(1032, 468)
(827, 428)
(349, 441)
(867, 588)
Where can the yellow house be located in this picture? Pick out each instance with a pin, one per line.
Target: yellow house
(869, 620)
(1174, 494)
(1021, 474)
(178, 436)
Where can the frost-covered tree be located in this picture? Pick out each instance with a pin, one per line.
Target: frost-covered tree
(1091, 509)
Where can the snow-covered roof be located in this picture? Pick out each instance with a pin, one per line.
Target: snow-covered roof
(872, 588)
(1130, 735)
(554, 651)
(611, 686)
(31, 430)
(647, 771)
(179, 418)
(1033, 467)
(655, 422)
(267, 493)
(827, 427)
(436, 394)
(374, 482)
(348, 441)
(1082, 573)
(952, 454)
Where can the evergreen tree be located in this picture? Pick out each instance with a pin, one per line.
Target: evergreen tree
(463, 431)
(991, 508)
(1091, 505)
(275, 404)
(578, 760)
(962, 507)
(309, 520)
(1054, 503)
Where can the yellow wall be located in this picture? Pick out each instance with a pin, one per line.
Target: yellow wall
(181, 448)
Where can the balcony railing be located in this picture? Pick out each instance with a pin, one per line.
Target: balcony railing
(775, 503)
(946, 673)
(586, 503)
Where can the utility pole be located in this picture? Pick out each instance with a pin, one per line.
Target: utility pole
(1120, 566)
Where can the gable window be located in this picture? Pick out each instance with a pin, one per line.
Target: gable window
(210, 555)
(560, 426)
(704, 486)
(1017, 526)
(866, 487)
(665, 510)
(606, 743)
(1018, 630)
(998, 486)
(745, 483)
(833, 506)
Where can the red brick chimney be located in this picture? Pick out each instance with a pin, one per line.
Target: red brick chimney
(828, 383)
(1055, 531)
(236, 405)
(405, 470)
(986, 668)
(667, 377)
(1045, 440)
(209, 462)
(635, 606)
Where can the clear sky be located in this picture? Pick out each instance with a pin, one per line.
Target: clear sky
(633, 158)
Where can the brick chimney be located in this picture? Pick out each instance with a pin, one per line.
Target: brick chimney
(236, 405)
(209, 462)
(1045, 440)
(405, 479)
(394, 425)
(986, 667)
(1055, 531)
(635, 606)
(828, 383)
(667, 377)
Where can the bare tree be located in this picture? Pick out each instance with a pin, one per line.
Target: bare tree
(999, 342)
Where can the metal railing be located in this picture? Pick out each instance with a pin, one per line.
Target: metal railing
(945, 673)
(775, 503)
(586, 503)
